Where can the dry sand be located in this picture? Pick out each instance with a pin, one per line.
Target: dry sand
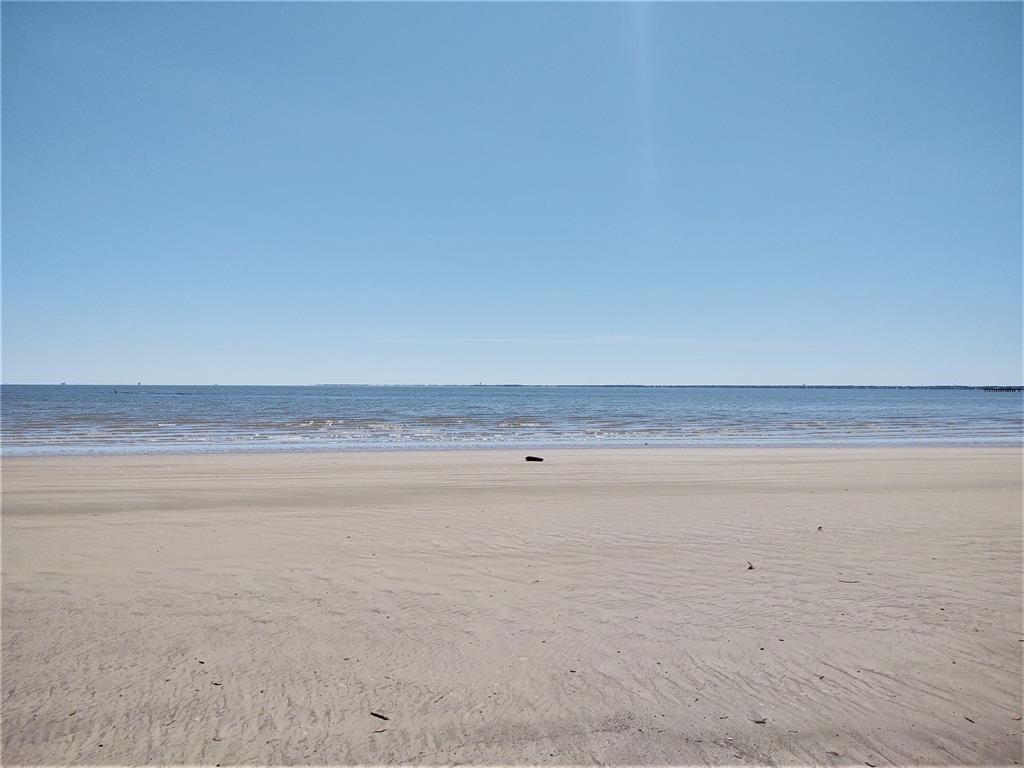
(596, 608)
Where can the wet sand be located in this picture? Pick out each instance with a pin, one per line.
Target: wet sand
(594, 608)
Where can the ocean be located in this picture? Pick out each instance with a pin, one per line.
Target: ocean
(36, 419)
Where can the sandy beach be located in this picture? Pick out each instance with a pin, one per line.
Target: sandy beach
(594, 608)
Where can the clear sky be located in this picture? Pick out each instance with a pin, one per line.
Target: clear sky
(537, 193)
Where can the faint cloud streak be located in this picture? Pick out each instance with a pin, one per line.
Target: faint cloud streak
(607, 339)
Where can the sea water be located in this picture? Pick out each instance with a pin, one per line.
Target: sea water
(126, 419)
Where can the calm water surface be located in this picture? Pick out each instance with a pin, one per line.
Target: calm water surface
(107, 419)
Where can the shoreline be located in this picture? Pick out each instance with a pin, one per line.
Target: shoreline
(484, 448)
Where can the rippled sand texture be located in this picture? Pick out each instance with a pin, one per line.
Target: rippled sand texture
(597, 607)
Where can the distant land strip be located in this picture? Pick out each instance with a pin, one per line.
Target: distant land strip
(985, 388)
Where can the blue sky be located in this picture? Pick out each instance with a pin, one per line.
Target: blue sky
(537, 193)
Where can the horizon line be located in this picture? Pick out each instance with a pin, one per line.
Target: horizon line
(517, 384)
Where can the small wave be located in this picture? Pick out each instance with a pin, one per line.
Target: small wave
(91, 419)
